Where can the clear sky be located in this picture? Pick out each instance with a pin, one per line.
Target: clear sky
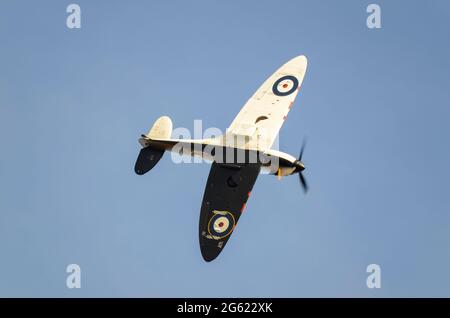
(375, 106)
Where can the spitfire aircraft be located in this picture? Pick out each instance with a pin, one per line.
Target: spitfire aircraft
(237, 157)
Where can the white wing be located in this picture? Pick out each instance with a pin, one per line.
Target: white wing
(265, 112)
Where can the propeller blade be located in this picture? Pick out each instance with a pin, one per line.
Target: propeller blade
(303, 182)
(301, 150)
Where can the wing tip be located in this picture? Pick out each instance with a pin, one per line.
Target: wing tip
(301, 59)
(209, 253)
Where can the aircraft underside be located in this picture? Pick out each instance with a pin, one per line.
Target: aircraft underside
(237, 157)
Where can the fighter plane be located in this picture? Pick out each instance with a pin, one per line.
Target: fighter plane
(237, 157)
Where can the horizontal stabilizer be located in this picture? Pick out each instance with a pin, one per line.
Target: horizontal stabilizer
(147, 159)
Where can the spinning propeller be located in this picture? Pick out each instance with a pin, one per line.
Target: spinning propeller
(299, 167)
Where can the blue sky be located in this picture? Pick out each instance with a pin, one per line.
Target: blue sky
(375, 106)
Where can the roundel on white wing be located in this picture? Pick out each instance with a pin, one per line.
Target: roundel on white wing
(285, 85)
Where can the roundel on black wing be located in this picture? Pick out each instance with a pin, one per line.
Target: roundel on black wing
(221, 224)
(285, 85)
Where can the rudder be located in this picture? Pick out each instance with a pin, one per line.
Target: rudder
(161, 129)
(149, 156)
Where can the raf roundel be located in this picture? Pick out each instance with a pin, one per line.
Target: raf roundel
(221, 224)
(285, 85)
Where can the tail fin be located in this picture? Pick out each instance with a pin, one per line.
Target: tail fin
(149, 156)
(162, 128)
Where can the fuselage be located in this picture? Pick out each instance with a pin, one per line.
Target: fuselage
(218, 149)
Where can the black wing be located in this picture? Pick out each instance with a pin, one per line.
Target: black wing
(226, 193)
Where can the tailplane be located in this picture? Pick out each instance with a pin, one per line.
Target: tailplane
(149, 156)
